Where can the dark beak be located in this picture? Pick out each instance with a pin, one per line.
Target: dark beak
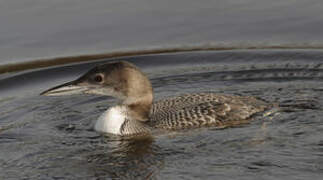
(69, 88)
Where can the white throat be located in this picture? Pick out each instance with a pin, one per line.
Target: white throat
(111, 120)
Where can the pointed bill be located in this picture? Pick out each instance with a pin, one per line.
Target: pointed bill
(69, 88)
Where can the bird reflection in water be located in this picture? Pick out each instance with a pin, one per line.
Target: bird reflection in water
(127, 159)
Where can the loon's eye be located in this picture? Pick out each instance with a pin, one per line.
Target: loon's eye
(98, 78)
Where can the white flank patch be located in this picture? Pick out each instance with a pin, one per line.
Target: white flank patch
(111, 120)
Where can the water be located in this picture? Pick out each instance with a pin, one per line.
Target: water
(52, 137)
(41, 29)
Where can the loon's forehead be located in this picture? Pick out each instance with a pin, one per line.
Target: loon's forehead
(114, 70)
(113, 67)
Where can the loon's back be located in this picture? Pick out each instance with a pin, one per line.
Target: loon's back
(204, 109)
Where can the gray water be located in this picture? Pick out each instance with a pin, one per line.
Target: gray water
(52, 137)
(40, 29)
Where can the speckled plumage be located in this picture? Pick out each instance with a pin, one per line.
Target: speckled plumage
(203, 109)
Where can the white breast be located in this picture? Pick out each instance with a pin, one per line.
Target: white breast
(111, 120)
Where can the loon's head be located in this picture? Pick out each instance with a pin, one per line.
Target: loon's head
(121, 80)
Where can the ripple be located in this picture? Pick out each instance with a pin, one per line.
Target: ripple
(52, 137)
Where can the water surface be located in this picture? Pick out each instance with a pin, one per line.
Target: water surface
(52, 137)
(40, 29)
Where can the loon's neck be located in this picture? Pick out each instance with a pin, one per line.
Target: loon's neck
(126, 119)
(139, 109)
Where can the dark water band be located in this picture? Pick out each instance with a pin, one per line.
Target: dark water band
(41, 63)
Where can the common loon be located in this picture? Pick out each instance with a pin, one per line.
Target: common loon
(137, 114)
